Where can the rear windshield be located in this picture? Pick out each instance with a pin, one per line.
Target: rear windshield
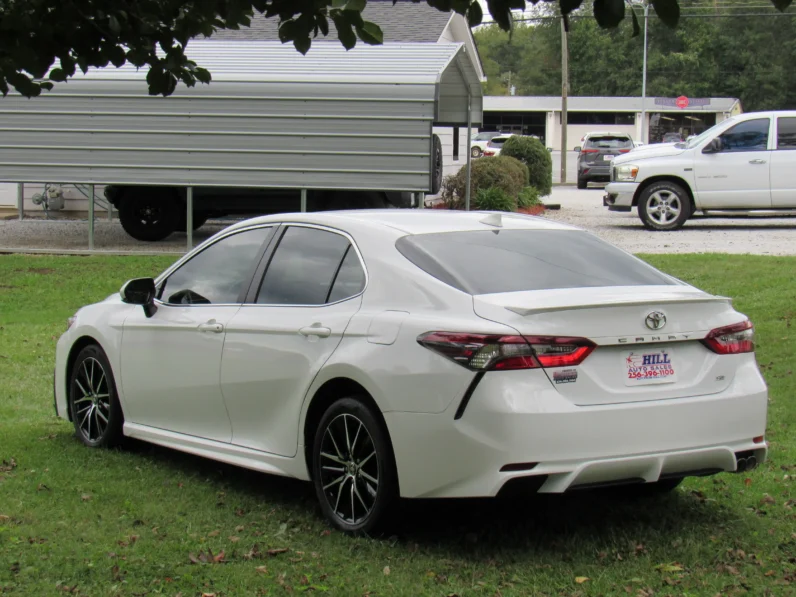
(609, 142)
(499, 140)
(486, 261)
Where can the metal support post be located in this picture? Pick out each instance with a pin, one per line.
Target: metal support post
(564, 95)
(189, 217)
(421, 200)
(21, 200)
(644, 78)
(469, 149)
(91, 220)
(303, 200)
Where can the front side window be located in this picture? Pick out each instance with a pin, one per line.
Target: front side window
(786, 133)
(750, 135)
(217, 274)
(303, 267)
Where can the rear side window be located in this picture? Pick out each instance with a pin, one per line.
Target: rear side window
(609, 142)
(786, 133)
(303, 267)
(486, 262)
(350, 280)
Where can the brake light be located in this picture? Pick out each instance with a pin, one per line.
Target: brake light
(484, 352)
(489, 153)
(590, 151)
(732, 339)
(624, 150)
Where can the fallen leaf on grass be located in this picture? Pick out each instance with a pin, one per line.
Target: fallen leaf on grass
(4, 518)
(581, 579)
(233, 539)
(214, 533)
(43, 487)
(262, 569)
(747, 482)
(240, 528)
(386, 571)
(85, 497)
(770, 573)
(115, 573)
(326, 533)
(669, 568)
(8, 465)
(277, 551)
(767, 499)
(207, 558)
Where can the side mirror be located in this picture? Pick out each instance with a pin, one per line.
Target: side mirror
(140, 291)
(577, 148)
(715, 146)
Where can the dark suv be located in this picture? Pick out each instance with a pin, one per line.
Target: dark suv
(596, 155)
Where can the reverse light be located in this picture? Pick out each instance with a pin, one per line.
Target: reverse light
(732, 339)
(626, 173)
(484, 352)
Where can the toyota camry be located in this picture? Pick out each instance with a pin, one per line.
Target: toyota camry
(434, 354)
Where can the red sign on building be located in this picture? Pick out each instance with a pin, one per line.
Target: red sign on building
(682, 102)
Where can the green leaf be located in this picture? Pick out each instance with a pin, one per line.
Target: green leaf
(357, 5)
(57, 74)
(46, 85)
(302, 44)
(501, 12)
(567, 6)
(288, 31)
(323, 24)
(202, 74)
(609, 13)
(345, 32)
(668, 11)
(113, 23)
(474, 14)
(370, 33)
(338, 3)
(781, 5)
(636, 26)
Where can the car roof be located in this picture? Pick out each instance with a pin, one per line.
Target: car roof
(410, 221)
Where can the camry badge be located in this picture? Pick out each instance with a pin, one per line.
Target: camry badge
(655, 320)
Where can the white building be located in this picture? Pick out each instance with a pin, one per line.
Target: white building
(541, 116)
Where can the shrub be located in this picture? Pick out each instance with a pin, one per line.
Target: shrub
(495, 199)
(528, 197)
(531, 152)
(505, 173)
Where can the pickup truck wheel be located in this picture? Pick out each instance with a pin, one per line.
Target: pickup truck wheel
(664, 206)
(148, 216)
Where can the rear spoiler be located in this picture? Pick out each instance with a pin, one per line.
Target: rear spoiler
(525, 311)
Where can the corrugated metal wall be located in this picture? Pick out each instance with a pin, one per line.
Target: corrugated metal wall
(320, 125)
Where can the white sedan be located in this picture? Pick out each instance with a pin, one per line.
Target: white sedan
(419, 354)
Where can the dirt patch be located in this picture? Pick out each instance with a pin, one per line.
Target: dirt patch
(40, 270)
(6, 287)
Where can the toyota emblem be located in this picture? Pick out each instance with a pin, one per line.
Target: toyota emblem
(655, 320)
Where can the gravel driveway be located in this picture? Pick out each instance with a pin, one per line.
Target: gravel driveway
(580, 208)
(758, 236)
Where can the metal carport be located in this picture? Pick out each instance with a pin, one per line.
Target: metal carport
(272, 118)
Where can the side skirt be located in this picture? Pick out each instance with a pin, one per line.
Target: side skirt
(220, 451)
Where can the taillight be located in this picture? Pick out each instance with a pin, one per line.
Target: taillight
(484, 352)
(624, 150)
(590, 151)
(732, 339)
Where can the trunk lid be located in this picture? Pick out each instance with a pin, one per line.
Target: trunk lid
(631, 361)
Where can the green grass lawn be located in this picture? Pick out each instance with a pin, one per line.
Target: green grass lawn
(150, 521)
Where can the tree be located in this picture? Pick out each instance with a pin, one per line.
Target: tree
(52, 38)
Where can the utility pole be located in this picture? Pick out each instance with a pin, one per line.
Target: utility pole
(564, 93)
(644, 78)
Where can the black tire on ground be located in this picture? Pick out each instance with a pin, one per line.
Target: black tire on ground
(199, 220)
(582, 184)
(355, 479)
(664, 205)
(436, 165)
(149, 215)
(93, 401)
(475, 152)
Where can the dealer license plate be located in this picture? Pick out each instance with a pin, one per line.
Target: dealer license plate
(645, 367)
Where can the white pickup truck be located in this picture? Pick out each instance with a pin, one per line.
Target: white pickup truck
(745, 165)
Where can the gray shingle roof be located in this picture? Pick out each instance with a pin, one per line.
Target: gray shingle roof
(404, 22)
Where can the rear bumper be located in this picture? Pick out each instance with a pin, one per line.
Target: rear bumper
(594, 173)
(619, 196)
(514, 418)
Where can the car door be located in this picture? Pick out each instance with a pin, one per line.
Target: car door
(277, 342)
(170, 362)
(783, 164)
(737, 177)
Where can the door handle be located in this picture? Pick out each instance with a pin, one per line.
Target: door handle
(757, 161)
(211, 326)
(317, 330)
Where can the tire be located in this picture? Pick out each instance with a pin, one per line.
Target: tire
(92, 398)
(199, 220)
(148, 216)
(365, 508)
(436, 165)
(476, 152)
(582, 184)
(664, 206)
